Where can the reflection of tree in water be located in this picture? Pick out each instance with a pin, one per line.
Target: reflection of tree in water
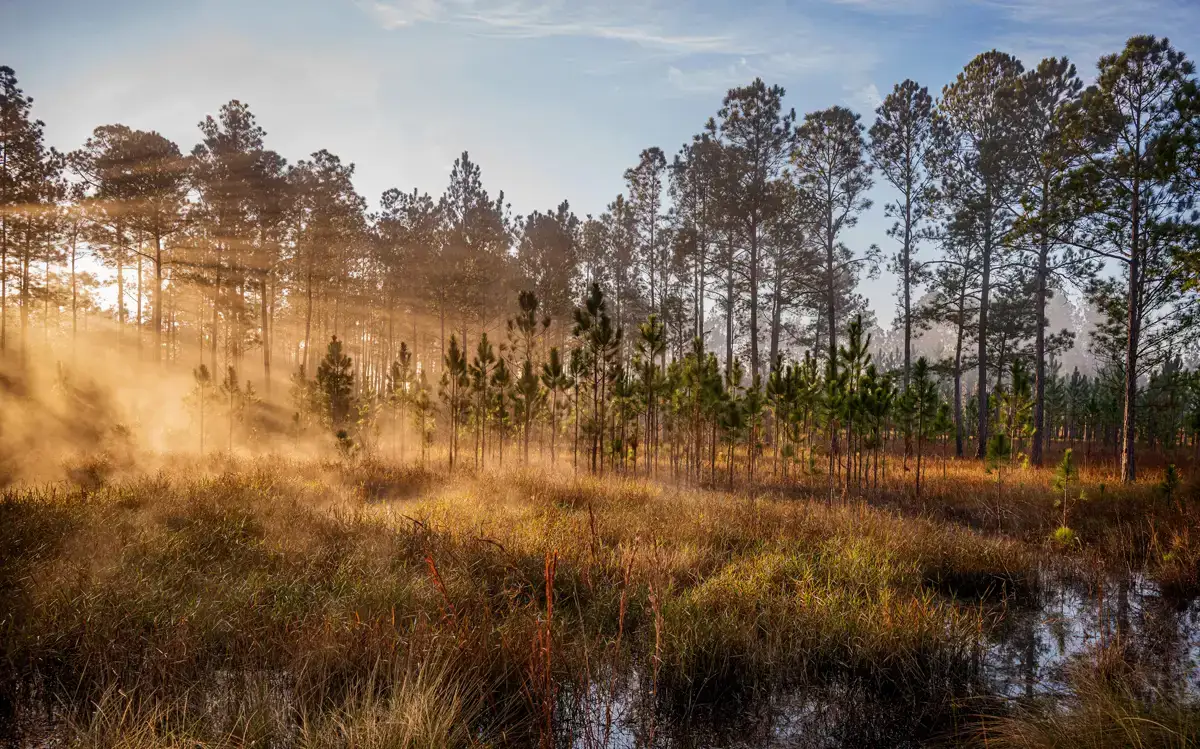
(1080, 623)
(842, 713)
(1032, 648)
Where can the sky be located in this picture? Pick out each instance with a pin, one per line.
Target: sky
(553, 98)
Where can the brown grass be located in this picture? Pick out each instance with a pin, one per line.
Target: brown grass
(390, 605)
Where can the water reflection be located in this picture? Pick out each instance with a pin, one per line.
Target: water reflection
(1026, 655)
(843, 714)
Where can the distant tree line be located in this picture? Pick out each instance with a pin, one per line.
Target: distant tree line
(810, 420)
(727, 264)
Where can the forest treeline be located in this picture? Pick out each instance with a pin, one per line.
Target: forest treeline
(453, 314)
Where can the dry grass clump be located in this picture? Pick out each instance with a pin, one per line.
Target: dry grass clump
(380, 481)
(1177, 567)
(425, 705)
(783, 615)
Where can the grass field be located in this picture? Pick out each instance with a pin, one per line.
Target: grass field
(306, 603)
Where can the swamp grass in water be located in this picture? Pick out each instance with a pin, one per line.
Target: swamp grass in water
(301, 604)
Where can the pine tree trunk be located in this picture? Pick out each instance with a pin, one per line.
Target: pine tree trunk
(216, 321)
(1134, 322)
(906, 267)
(4, 285)
(729, 287)
(1129, 422)
(267, 333)
(308, 317)
(776, 321)
(981, 387)
(831, 305)
(4, 253)
(25, 296)
(137, 327)
(1039, 357)
(158, 298)
(74, 296)
(906, 281)
(959, 425)
(754, 300)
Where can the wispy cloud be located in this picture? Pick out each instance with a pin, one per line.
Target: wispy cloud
(395, 15)
(709, 79)
(693, 52)
(864, 99)
(891, 7)
(641, 25)
(706, 77)
(1083, 13)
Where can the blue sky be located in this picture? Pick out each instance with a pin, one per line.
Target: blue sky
(554, 98)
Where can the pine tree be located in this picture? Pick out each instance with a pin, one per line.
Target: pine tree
(1048, 96)
(140, 180)
(780, 395)
(423, 411)
(601, 342)
(25, 166)
(731, 416)
(231, 389)
(832, 406)
(1127, 123)
(399, 391)
(626, 406)
(455, 381)
(306, 400)
(576, 371)
(555, 379)
(853, 361)
(694, 194)
(953, 303)
(222, 174)
(978, 163)
(923, 400)
(502, 384)
(548, 259)
(943, 427)
(335, 382)
(880, 396)
(527, 326)
(651, 345)
(481, 371)
(527, 398)
(1064, 475)
(645, 182)
(834, 176)
(758, 136)
(1016, 408)
(900, 144)
(474, 270)
(202, 383)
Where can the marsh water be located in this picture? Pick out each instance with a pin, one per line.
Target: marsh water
(1027, 656)
(1032, 649)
